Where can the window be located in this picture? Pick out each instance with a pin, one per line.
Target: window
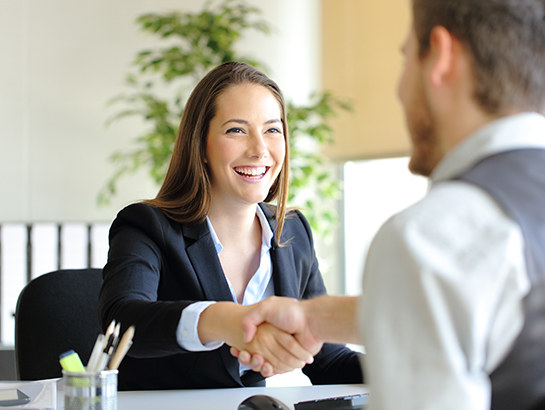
(374, 190)
(30, 250)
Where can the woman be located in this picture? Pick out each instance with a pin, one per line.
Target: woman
(208, 237)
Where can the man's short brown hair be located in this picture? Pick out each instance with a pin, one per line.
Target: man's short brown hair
(506, 39)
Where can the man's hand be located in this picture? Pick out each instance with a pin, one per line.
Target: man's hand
(282, 351)
(313, 321)
(222, 321)
(286, 314)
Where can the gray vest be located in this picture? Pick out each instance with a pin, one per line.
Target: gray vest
(516, 180)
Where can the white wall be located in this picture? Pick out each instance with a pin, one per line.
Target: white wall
(63, 59)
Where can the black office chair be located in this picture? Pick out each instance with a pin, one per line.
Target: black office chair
(56, 312)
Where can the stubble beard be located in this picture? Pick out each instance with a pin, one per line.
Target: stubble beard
(425, 142)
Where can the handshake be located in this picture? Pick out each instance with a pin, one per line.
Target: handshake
(280, 334)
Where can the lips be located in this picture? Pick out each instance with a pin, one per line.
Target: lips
(252, 172)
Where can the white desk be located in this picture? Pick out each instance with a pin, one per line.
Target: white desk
(226, 399)
(204, 399)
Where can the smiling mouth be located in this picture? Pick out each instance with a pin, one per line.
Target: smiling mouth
(251, 172)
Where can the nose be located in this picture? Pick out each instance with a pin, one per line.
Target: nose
(257, 146)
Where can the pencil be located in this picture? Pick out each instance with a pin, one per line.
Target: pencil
(122, 348)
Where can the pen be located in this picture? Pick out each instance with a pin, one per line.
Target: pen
(100, 345)
(116, 339)
(109, 331)
(108, 350)
(71, 362)
(95, 354)
(122, 348)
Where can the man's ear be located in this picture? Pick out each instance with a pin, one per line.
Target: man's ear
(441, 54)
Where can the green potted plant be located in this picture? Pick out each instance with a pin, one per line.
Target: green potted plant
(164, 77)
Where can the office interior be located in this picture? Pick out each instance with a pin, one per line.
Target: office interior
(64, 59)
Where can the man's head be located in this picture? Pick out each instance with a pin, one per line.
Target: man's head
(506, 39)
(467, 62)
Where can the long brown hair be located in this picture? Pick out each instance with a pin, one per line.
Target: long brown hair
(185, 194)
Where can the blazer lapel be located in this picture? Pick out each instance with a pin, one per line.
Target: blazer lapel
(205, 261)
(284, 272)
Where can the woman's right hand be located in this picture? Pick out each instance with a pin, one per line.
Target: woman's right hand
(279, 349)
(222, 321)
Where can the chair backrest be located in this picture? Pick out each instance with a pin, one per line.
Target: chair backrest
(56, 312)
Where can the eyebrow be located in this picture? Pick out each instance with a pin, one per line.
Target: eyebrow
(240, 121)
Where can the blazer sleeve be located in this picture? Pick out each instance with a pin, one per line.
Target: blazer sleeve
(335, 363)
(134, 279)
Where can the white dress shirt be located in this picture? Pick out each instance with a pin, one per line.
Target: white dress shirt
(443, 285)
(260, 287)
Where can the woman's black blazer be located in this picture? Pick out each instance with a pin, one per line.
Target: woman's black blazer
(156, 267)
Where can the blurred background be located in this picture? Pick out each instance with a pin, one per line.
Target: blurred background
(64, 60)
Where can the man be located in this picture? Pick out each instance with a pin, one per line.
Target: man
(452, 313)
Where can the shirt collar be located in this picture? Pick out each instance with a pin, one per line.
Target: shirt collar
(526, 130)
(266, 235)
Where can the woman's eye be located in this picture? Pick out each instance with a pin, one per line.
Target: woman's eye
(234, 130)
(274, 130)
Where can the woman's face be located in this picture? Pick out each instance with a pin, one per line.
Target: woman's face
(245, 147)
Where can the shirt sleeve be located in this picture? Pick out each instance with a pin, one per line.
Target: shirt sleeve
(439, 278)
(187, 333)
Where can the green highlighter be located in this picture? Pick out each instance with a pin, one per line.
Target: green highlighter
(71, 362)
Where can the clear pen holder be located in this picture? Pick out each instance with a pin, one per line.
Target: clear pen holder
(90, 391)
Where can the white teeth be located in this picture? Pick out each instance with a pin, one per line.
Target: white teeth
(251, 171)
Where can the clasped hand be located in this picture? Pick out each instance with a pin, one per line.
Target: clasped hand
(271, 336)
(277, 337)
